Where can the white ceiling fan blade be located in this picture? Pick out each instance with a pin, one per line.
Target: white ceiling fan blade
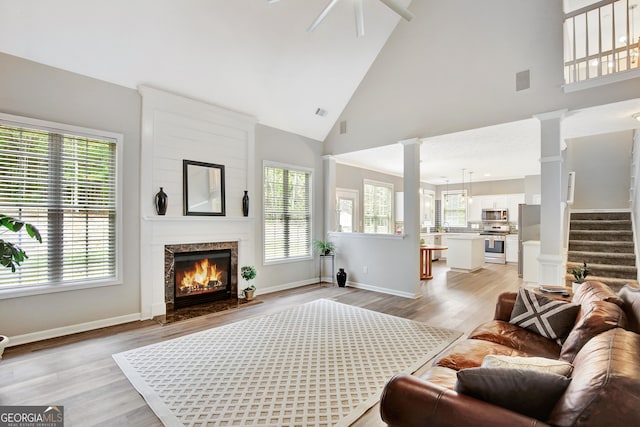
(322, 15)
(399, 9)
(359, 18)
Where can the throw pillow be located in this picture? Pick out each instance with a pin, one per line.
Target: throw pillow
(541, 364)
(527, 392)
(548, 317)
(631, 304)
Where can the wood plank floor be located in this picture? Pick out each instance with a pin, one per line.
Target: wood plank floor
(79, 373)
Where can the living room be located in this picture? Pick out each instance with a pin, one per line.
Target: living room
(412, 87)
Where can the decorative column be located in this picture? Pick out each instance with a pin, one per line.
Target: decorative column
(551, 263)
(411, 184)
(330, 213)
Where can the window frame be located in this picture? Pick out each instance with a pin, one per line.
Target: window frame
(388, 185)
(117, 139)
(296, 168)
(443, 195)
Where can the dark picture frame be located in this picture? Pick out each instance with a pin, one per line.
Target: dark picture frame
(203, 188)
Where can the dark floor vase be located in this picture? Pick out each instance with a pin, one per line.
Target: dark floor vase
(342, 277)
(161, 202)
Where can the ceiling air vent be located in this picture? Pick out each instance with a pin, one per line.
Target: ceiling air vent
(343, 127)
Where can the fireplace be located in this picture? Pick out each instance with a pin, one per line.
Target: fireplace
(202, 277)
(200, 273)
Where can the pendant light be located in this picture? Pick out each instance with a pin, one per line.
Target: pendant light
(470, 192)
(446, 197)
(462, 193)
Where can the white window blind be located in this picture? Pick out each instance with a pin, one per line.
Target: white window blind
(454, 208)
(378, 207)
(65, 185)
(287, 213)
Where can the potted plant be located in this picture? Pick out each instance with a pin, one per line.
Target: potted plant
(580, 274)
(248, 273)
(11, 255)
(324, 247)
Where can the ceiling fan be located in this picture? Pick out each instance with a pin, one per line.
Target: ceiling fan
(359, 10)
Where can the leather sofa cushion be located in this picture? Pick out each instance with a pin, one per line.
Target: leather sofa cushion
(597, 317)
(605, 385)
(444, 377)
(593, 290)
(528, 392)
(631, 305)
(515, 337)
(471, 353)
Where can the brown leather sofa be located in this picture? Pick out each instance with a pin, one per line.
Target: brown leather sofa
(603, 347)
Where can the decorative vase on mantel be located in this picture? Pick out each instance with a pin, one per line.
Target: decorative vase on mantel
(245, 203)
(341, 277)
(161, 201)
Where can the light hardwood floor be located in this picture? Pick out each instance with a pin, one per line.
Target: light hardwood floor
(79, 373)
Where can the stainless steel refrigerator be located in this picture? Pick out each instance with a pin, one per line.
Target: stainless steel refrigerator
(528, 228)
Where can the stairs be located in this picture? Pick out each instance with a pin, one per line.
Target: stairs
(604, 240)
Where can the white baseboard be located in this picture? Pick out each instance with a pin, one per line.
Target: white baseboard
(271, 289)
(72, 329)
(382, 290)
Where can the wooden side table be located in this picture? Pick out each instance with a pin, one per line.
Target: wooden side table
(426, 264)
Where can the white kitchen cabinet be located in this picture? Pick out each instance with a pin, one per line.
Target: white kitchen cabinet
(474, 212)
(443, 242)
(513, 200)
(511, 248)
(433, 240)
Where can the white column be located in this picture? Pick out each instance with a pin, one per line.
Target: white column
(330, 213)
(551, 261)
(411, 186)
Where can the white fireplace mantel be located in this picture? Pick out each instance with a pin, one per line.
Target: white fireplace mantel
(176, 128)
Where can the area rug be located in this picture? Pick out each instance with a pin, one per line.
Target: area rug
(318, 364)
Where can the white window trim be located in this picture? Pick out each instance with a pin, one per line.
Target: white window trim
(425, 191)
(269, 163)
(117, 139)
(390, 185)
(466, 209)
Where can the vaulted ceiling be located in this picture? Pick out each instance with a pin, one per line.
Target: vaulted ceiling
(251, 56)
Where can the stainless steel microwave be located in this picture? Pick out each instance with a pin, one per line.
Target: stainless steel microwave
(495, 215)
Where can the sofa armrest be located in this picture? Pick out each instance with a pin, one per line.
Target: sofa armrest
(410, 401)
(504, 306)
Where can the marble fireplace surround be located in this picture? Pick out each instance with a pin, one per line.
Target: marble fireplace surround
(169, 266)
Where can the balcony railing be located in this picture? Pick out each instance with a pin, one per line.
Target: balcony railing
(601, 39)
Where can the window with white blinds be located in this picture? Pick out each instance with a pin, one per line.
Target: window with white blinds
(65, 185)
(378, 207)
(454, 208)
(287, 213)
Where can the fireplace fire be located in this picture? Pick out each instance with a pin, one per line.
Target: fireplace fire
(202, 276)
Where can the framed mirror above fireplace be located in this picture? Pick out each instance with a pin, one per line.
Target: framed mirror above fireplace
(203, 188)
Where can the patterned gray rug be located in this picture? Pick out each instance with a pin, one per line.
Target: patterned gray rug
(318, 364)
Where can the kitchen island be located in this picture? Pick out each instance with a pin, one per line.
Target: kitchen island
(466, 252)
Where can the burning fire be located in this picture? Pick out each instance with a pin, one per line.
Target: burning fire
(203, 276)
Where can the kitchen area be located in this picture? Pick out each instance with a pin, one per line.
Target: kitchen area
(501, 229)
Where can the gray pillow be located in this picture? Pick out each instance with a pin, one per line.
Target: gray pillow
(528, 392)
(548, 317)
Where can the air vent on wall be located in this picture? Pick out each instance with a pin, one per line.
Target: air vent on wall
(523, 80)
(343, 127)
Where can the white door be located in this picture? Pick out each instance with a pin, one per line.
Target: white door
(347, 210)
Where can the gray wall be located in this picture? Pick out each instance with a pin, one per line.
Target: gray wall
(42, 92)
(283, 147)
(481, 188)
(603, 166)
(453, 68)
